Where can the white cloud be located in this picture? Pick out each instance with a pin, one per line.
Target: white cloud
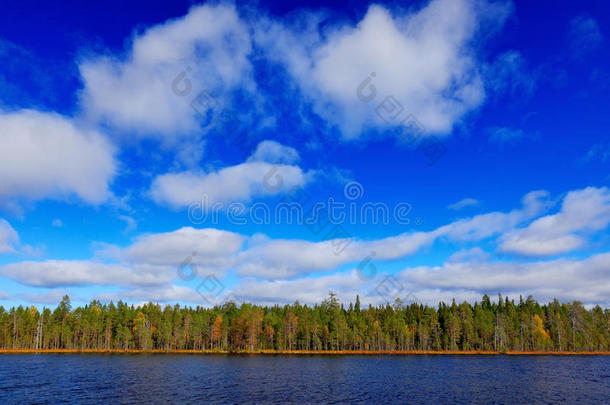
(464, 203)
(50, 297)
(240, 183)
(9, 238)
(45, 155)
(305, 290)
(381, 289)
(56, 273)
(484, 226)
(582, 213)
(564, 279)
(143, 92)
(231, 184)
(57, 223)
(152, 260)
(170, 293)
(213, 249)
(425, 59)
(288, 258)
(274, 152)
(475, 254)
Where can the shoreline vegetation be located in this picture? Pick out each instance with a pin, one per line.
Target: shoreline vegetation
(305, 352)
(501, 326)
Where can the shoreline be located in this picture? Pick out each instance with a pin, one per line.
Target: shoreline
(303, 352)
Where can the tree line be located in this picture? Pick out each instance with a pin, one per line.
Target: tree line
(501, 325)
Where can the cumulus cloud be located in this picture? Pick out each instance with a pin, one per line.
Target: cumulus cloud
(475, 254)
(58, 273)
(274, 152)
(425, 59)
(381, 289)
(45, 155)
(304, 290)
(49, 297)
(209, 249)
(170, 293)
(180, 73)
(240, 183)
(491, 224)
(582, 213)
(464, 203)
(151, 260)
(461, 278)
(289, 258)
(150, 90)
(564, 279)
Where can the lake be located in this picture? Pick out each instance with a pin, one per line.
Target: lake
(165, 378)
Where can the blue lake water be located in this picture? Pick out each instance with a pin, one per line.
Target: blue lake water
(164, 378)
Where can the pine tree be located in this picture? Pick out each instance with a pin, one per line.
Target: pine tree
(485, 325)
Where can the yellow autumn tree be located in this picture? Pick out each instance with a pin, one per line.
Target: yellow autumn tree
(216, 330)
(541, 335)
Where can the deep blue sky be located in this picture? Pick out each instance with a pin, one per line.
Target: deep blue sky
(542, 123)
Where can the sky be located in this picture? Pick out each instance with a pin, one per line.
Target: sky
(268, 152)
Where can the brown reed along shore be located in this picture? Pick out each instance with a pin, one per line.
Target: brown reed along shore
(305, 352)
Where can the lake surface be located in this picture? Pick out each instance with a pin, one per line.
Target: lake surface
(89, 378)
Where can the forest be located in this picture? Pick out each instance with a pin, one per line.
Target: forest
(498, 325)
